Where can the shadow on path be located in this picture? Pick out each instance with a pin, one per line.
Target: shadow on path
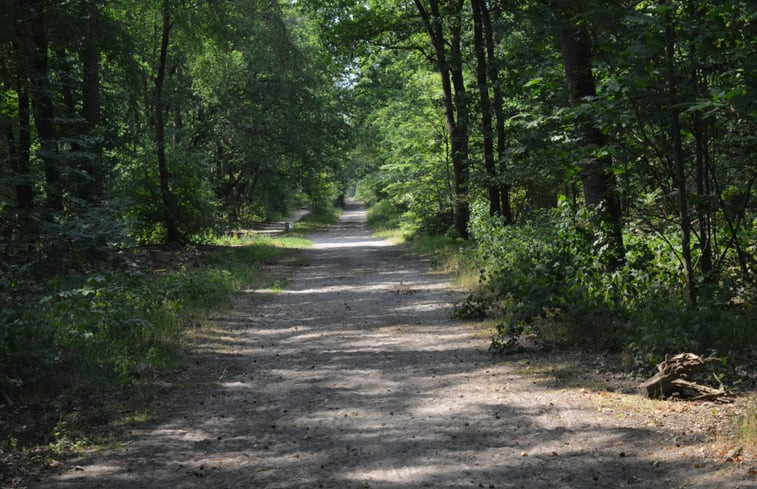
(355, 377)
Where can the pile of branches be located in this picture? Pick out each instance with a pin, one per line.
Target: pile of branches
(675, 377)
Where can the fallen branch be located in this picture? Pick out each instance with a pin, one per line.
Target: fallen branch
(673, 376)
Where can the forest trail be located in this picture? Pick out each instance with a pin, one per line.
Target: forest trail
(353, 376)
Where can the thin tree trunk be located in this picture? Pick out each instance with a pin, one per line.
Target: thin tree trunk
(91, 103)
(680, 173)
(21, 151)
(455, 104)
(70, 128)
(172, 232)
(486, 109)
(596, 176)
(702, 206)
(700, 136)
(42, 106)
(24, 188)
(460, 155)
(499, 112)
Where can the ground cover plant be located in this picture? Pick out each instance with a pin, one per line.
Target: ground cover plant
(81, 349)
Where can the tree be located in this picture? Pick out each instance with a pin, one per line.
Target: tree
(597, 172)
(172, 231)
(680, 171)
(449, 64)
(493, 76)
(42, 104)
(482, 79)
(19, 147)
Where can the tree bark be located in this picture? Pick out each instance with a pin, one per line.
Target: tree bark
(460, 155)
(680, 169)
(702, 206)
(486, 108)
(42, 106)
(596, 176)
(455, 102)
(499, 112)
(172, 232)
(20, 151)
(673, 375)
(91, 103)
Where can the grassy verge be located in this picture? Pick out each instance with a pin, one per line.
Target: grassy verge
(749, 425)
(316, 220)
(81, 355)
(449, 255)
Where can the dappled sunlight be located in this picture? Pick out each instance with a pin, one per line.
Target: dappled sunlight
(364, 243)
(354, 375)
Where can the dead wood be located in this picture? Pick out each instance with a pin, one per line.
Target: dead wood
(673, 376)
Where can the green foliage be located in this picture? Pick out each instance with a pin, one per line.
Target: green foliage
(116, 325)
(136, 189)
(544, 276)
(383, 215)
(105, 325)
(317, 219)
(404, 158)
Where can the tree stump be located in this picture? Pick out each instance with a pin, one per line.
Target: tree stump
(673, 376)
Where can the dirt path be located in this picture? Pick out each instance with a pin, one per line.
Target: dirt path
(354, 376)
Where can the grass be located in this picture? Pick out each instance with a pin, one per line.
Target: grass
(448, 255)
(748, 424)
(263, 245)
(317, 220)
(394, 236)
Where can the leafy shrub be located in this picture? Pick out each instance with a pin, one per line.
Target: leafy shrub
(138, 191)
(110, 326)
(546, 275)
(384, 215)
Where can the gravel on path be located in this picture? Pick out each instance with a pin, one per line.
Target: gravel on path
(354, 377)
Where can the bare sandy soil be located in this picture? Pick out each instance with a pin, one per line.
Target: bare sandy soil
(354, 376)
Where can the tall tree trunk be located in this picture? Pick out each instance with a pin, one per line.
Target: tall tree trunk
(486, 108)
(42, 106)
(172, 232)
(680, 170)
(596, 176)
(91, 103)
(22, 170)
(702, 206)
(455, 103)
(21, 150)
(499, 112)
(703, 209)
(460, 155)
(70, 128)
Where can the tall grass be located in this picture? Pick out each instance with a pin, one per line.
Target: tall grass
(749, 424)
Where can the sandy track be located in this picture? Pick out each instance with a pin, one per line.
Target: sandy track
(355, 377)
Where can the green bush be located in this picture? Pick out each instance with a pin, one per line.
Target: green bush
(384, 215)
(112, 326)
(546, 275)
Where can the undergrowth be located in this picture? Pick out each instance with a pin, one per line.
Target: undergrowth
(317, 220)
(545, 277)
(76, 347)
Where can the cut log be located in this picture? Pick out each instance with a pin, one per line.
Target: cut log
(701, 392)
(673, 376)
